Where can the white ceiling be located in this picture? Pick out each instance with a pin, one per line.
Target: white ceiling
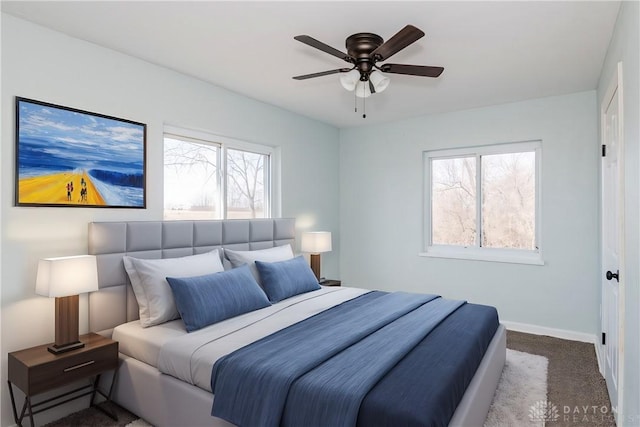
(492, 52)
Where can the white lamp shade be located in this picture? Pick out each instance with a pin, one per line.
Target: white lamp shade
(316, 242)
(350, 80)
(362, 89)
(66, 276)
(379, 80)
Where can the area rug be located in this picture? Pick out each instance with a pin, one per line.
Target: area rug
(521, 396)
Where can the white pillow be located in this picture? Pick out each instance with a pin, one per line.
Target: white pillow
(149, 280)
(277, 253)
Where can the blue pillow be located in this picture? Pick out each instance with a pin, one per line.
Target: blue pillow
(285, 279)
(208, 299)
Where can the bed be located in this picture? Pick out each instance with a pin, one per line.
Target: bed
(155, 384)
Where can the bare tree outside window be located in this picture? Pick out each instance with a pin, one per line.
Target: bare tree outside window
(245, 184)
(484, 197)
(191, 187)
(508, 200)
(453, 202)
(208, 179)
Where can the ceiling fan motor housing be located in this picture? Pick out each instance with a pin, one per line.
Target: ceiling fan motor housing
(360, 46)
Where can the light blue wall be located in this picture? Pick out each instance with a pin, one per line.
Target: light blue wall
(381, 211)
(625, 47)
(45, 65)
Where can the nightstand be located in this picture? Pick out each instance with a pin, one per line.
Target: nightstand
(35, 370)
(330, 282)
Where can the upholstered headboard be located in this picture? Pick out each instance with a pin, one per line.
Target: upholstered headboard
(114, 303)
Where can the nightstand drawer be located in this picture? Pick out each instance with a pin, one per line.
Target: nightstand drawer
(70, 369)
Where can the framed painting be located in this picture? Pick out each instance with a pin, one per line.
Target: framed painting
(69, 157)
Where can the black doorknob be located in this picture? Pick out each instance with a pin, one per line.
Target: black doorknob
(611, 275)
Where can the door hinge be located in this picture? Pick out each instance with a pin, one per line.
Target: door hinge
(604, 338)
(604, 150)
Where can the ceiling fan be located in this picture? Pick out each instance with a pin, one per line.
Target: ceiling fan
(364, 51)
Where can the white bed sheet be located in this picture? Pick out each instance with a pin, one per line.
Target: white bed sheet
(144, 344)
(190, 356)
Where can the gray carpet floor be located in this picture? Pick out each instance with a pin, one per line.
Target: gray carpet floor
(574, 386)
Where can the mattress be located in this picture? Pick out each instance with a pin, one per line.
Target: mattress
(190, 356)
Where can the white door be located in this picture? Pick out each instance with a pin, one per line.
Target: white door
(612, 241)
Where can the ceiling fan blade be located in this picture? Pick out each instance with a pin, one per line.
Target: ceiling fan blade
(322, 73)
(399, 41)
(323, 47)
(412, 70)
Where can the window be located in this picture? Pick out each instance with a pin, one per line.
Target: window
(209, 177)
(483, 203)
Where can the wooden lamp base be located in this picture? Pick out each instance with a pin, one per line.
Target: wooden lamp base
(315, 265)
(67, 319)
(63, 349)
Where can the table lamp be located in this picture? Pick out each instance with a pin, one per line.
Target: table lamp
(64, 278)
(316, 242)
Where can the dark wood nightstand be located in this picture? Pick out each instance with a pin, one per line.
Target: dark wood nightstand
(35, 370)
(330, 282)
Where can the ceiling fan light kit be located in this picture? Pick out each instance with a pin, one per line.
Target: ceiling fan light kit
(363, 90)
(350, 80)
(364, 51)
(380, 82)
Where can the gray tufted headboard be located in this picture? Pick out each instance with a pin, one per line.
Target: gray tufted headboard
(114, 303)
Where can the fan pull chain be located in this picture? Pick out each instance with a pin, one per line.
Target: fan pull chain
(364, 107)
(355, 102)
(364, 104)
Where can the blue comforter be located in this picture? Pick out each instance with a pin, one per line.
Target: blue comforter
(355, 364)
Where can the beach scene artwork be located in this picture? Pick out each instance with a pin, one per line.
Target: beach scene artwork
(68, 157)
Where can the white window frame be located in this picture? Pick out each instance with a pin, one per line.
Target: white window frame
(271, 178)
(477, 252)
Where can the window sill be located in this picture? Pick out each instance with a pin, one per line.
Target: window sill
(474, 254)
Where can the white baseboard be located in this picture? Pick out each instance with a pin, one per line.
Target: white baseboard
(599, 360)
(552, 332)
